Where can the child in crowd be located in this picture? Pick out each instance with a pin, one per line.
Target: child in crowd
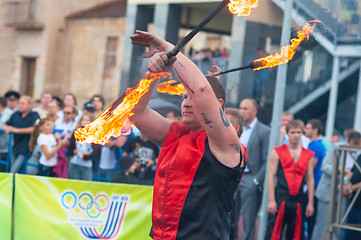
(81, 154)
(43, 137)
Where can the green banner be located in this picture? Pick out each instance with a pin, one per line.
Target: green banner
(54, 208)
(6, 195)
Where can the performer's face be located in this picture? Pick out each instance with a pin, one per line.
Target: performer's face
(188, 113)
(294, 135)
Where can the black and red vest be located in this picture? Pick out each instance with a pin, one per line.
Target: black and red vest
(288, 192)
(193, 191)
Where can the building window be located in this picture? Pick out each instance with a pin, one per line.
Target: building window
(28, 75)
(110, 56)
(20, 11)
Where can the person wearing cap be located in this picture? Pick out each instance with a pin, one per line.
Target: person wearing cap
(12, 99)
(21, 125)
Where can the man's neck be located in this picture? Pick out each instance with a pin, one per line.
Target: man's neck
(315, 137)
(24, 114)
(247, 123)
(293, 146)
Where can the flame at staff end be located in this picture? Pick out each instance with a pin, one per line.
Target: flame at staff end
(287, 52)
(172, 87)
(242, 7)
(113, 124)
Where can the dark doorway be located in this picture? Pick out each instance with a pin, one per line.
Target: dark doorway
(27, 76)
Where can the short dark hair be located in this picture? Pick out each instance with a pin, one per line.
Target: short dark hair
(294, 124)
(253, 101)
(217, 88)
(316, 124)
(100, 97)
(354, 136)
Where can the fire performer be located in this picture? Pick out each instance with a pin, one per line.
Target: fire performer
(201, 161)
(284, 204)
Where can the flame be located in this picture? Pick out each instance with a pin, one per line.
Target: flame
(242, 7)
(113, 124)
(287, 52)
(172, 87)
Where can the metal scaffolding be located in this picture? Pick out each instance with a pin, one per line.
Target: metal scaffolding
(337, 218)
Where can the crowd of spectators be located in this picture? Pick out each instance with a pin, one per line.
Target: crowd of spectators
(42, 142)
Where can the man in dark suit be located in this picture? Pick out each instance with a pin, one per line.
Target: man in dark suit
(255, 137)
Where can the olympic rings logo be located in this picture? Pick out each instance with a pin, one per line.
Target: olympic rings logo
(85, 203)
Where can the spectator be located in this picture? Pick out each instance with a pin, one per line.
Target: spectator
(235, 117)
(42, 109)
(99, 103)
(286, 118)
(314, 130)
(21, 125)
(260, 81)
(289, 165)
(127, 169)
(171, 115)
(63, 128)
(43, 137)
(53, 109)
(82, 154)
(89, 108)
(4, 138)
(145, 154)
(323, 190)
(70, 101)
(255, 138)
(350, 190)
(12, 100)
(109, 156)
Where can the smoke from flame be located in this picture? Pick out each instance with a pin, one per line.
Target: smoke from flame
(287, 52)
(172, 87)
(113, 124)
(242, 7)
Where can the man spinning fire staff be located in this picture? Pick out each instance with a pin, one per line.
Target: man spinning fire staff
(290, 164)
(201, 161)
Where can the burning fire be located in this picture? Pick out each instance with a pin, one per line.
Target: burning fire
(242, 7)
(172, 87)
(114, 123)
(287, 52)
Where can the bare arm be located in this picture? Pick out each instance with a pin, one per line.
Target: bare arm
(274, 160)
(11, 129)
(223, 140)
(148, 121)
(50, 154)
(310, 188)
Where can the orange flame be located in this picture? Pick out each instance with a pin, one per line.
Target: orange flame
(113, 124)
(171, 87)
(287, 52)
(242, 7)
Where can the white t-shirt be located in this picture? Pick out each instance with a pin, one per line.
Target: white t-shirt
(107, 158)
(50, 142)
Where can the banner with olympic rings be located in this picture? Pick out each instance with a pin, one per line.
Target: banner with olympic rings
(54, 208)
(6, 195)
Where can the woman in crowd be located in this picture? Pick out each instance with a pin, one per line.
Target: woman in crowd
(69, 100)
(99, 103)
(43, 137)
(82, 154)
